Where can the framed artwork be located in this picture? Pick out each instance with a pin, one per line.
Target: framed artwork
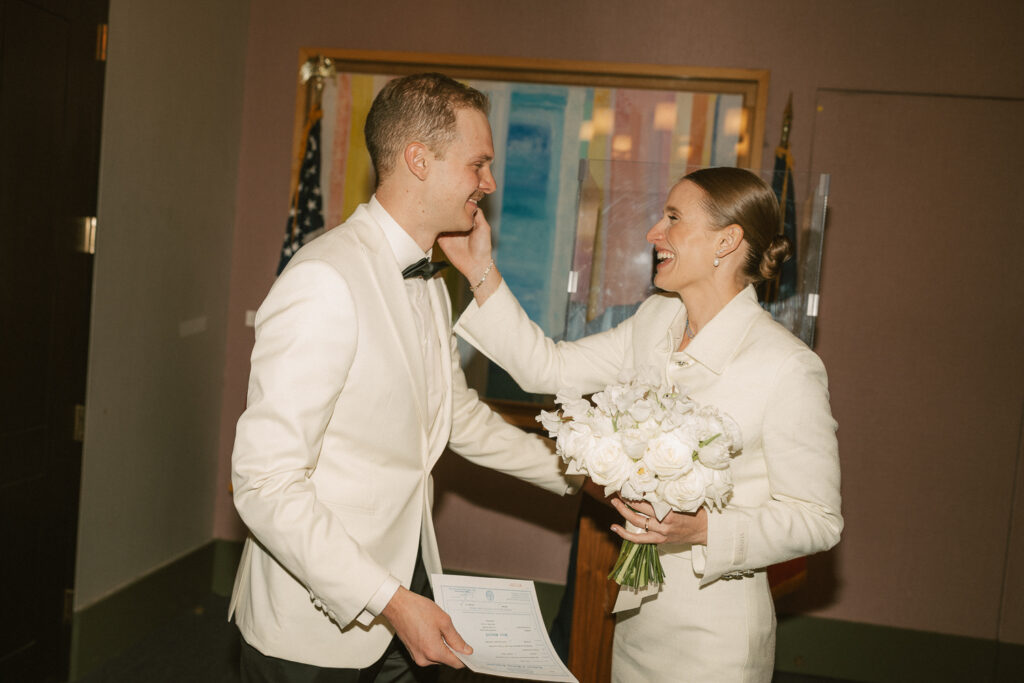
(561, 129)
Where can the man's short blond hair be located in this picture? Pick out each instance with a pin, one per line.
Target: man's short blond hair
(416, 108)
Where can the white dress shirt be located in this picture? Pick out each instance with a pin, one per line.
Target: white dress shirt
(407, 252)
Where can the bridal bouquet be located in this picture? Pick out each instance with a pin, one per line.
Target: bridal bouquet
(647, 441)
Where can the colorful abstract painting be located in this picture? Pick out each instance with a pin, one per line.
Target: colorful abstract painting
(541, 134)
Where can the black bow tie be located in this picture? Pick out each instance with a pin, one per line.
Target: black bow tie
(424, 269)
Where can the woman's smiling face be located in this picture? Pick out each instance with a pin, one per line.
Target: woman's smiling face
(683, 239)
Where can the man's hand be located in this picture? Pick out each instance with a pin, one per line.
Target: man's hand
(425, 630)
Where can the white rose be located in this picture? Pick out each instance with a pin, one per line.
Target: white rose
(705, 424)
(719, 487)
(714, 455)
(686, 433)
(732, 433)
(634, 442)
(600, 423)
(575, 440)
(669, 457)
(686, 493)
(607, 463)
(641, 482)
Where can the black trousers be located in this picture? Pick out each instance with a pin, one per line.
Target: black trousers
(394, 666)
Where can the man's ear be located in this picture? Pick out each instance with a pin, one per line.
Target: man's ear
(728, 240)
(416, 157)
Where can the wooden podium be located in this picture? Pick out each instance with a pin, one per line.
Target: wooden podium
(590, 642)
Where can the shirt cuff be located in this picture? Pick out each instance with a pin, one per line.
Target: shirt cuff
(379, 600)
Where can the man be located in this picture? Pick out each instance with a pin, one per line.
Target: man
(354, 393)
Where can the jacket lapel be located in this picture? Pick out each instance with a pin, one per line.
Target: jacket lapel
(719, 341)
(442, 328)
(393, 305)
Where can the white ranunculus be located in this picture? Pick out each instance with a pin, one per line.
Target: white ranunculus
(686, 493)
(669, 457)
(607, 463)
(640, 483)
(714, 455)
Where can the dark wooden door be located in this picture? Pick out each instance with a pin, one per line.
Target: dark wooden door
(51, 82)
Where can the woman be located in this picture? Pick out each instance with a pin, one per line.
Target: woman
(713, 619)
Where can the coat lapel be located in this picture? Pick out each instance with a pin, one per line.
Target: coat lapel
(394, 307)
(442, 328)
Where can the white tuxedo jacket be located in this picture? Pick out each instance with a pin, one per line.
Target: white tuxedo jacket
(786, 498)
(332, 457)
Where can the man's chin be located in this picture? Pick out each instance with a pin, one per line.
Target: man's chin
(456, 231)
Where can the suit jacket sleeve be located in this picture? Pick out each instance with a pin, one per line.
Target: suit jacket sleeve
(481, 435)
(802, 515)
(305, 343)
(503, 332)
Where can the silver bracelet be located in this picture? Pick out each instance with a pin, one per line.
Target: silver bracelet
(487, 271)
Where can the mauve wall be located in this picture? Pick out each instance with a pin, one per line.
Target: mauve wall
(949, 49)
(168, 168)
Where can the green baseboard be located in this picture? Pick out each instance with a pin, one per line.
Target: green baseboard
(806, 645)
(879, 654)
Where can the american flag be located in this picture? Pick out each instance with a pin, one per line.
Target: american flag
(305, 218)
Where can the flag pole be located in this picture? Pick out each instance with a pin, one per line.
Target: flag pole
(787, 123)
(770, 289)
(305, 216)
(312, 74)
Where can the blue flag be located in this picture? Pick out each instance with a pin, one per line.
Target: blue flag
(305, 219)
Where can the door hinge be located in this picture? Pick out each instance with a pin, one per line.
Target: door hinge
(78, 429)
(69, 605)
(85, 234)
(101, 43)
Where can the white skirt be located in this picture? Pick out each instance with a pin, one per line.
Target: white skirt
(722, 633)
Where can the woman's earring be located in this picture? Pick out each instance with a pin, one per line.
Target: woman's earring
(717, 260)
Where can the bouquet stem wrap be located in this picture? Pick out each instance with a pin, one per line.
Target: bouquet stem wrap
(638, 565)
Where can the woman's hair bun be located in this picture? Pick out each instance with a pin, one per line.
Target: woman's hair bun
(773, 257)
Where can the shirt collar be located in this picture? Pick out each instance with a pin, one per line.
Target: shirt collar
(404, 247)
(721, 337)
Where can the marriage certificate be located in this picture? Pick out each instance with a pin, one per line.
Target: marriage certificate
(500, 619)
